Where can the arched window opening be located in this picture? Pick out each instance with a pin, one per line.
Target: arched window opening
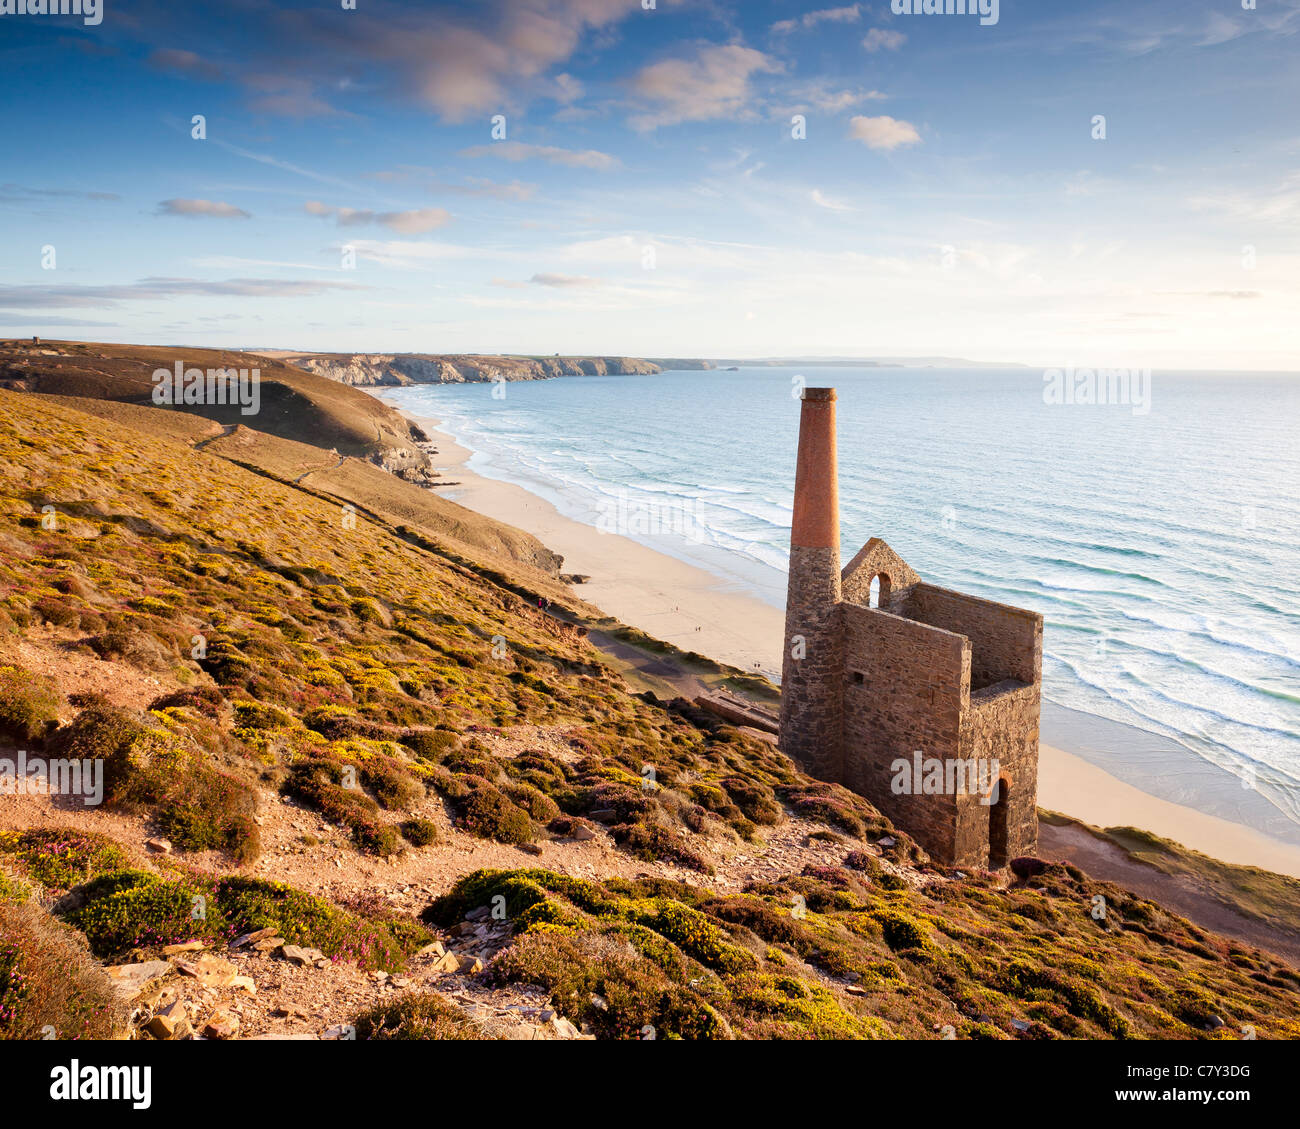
(879, 590)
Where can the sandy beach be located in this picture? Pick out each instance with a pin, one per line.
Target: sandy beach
(694, 610)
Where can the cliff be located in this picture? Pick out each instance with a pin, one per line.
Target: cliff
(395, 369)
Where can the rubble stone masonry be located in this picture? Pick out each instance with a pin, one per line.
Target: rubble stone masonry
(952, 677)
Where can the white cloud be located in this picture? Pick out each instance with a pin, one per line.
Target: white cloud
(828, 100)
(883, 132)
(551, 279)
(713, 84)
(848, 14)
(879, 38)
(824, 201)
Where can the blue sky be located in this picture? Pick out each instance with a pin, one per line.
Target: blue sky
(649, 196)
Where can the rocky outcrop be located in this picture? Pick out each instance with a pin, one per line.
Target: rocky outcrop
(398, 369)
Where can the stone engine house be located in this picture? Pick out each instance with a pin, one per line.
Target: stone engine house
(882, 670)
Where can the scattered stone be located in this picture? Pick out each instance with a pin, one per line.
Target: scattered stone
(401, 981)
(304, 958)
(131, 980)
(339, 1031)
(161, 1027)
(475, 967)
(856, 990)
(436, 949)
(887, 841)
(448, 962)
(290, 1011)
(599, 1002)
(222, 1024)
(245, 983)
(604, 815)
(159, 846)
(563, 1028)
(581, 833)
(252, 938)
(1020, 1025)
(209, 970)
(1214, 1024)
(186, 947)
(477, 914)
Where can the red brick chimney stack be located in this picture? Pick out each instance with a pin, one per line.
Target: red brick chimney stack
(811, 698)
(816, 522)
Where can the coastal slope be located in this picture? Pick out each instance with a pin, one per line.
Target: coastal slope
(373, 743)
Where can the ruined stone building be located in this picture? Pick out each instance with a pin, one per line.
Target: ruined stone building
(884, 675)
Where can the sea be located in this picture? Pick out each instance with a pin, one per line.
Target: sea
(1157, 531)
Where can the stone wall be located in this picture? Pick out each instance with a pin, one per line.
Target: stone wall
(904, 690)
(875, 558)
(1002, 725)
(1006, 642)
(812, 714)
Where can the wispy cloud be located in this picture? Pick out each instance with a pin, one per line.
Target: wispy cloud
(474, 186)
(18, 193)
(824, 201)
(212, 208)
(186, 64)
(827, 98)
(880, 38)
(57, 297)
(714, 83)
(848, 14)
(414, 222)
(552, 154)
(561, 280)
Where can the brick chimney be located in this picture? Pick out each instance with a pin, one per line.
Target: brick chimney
(811, 671)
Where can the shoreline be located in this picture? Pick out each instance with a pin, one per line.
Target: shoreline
(697, 611)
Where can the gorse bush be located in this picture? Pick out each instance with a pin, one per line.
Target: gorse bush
(130, 909)
(198, 806)
(29, 706)
(62, 859)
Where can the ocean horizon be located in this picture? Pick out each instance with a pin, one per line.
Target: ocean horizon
(1173, 613)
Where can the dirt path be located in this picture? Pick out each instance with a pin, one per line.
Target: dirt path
(1181, 894)
(320, 470)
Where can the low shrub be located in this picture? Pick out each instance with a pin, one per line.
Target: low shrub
(49, 981)
(29, 706)
(427, 1015)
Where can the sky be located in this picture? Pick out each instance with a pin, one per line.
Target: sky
(1090, 184)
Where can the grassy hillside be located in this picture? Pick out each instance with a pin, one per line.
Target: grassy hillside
(295, 404)
(393, 501)
(415, 717)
